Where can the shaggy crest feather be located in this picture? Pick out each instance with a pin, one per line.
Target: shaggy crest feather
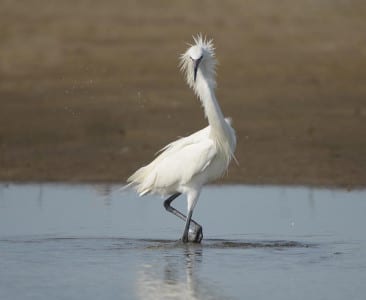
(208, 57)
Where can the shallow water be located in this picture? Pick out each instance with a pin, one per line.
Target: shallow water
(94, 242)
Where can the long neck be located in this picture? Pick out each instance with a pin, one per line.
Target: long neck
(221, 132)
(206, 93)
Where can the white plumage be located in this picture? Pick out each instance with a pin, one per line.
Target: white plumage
(185, 165)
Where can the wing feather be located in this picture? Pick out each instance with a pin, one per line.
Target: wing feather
(177, 164)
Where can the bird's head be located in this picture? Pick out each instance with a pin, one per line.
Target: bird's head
(199, 60)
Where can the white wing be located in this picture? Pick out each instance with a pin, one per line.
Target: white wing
(177, 164)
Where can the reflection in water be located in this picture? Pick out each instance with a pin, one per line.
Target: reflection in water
(40, 196)
(104, 191)
(311, 200)
(3, 187)
(123, 248)
(176, 279)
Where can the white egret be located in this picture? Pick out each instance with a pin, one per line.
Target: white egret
(185, 165)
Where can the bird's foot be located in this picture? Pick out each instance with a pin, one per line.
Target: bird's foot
(196, 235)
(193, 236)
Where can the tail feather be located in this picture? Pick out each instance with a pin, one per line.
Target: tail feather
(125, 187)
(142, 180)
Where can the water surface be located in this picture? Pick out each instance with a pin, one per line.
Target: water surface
(94, 242)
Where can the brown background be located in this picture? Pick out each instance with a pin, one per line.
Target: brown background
(90, 90)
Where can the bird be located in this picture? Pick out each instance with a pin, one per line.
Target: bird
(184, 166)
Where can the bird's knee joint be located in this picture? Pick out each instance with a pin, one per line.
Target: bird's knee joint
(166, 205)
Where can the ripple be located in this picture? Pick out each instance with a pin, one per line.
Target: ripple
(115, 243)
(226, 244)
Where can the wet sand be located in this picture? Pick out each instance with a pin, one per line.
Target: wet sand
(90, 90)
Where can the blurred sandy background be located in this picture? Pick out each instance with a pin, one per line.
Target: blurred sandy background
(90, 90)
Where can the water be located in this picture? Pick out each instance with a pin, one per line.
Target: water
(93, 242)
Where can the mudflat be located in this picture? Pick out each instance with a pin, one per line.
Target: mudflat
(90, 90)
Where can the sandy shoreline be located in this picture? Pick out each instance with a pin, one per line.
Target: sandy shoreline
(89, 94)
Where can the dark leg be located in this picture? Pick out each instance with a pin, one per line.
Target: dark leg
(186, 228)
(172, 210)
(198, 228)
